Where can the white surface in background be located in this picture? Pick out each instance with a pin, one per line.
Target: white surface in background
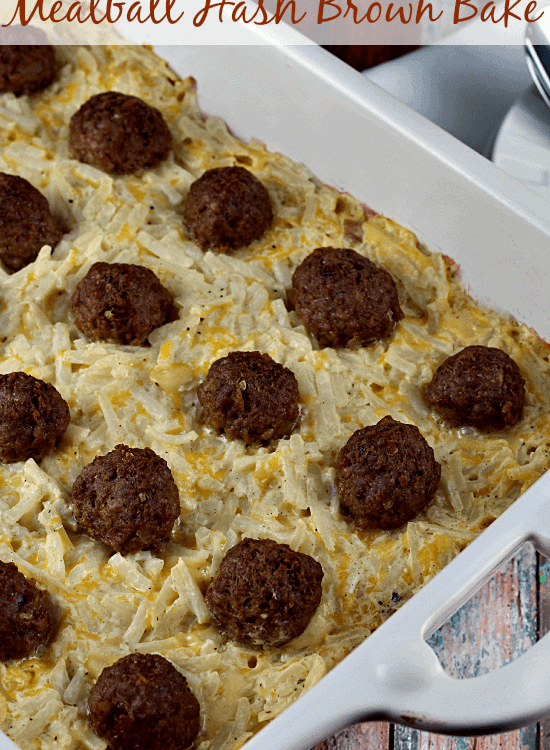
(522, 145)
(484, 96)
(480, 92)
(487, 32)
(466, 90)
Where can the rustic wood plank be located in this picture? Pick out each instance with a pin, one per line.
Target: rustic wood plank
(496, 626)
(543, 628)
(492, 629)
(424, 741)
(406, 739)
(361, 737)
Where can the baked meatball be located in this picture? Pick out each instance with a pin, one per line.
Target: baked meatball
(121, 302)
(249, 396)
(26, 620)
(264, 593)
(28, 66)
(119, 134)
(33, 416)
(387, 475)
(480, 386)
(343, 299)
(142, 702)
(227, 208)
(128, 499)
(26, 222)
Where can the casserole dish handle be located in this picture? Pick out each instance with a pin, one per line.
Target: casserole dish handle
(395, 676)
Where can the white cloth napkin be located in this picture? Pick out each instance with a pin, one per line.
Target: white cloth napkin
(464, 88)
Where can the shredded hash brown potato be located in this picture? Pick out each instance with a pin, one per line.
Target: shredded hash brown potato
(113, 605)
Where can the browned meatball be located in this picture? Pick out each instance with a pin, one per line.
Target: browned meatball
(26, 620)
(343, 299)
(142, 702)
(128, 499)
(227, 208)
(121, 302)
(249, 396)
(118, 133)
(26, 66)
(265, 593)
(388, 475)
(480, 386)
(26, 222)
(33, 416)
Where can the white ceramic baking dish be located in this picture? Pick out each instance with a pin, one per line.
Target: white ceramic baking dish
(305, 103)
(301, 101)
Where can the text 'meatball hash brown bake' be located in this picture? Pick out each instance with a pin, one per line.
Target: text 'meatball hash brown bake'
(208, 483)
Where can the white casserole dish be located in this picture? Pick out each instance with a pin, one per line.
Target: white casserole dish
(311, 107)
(306, 104)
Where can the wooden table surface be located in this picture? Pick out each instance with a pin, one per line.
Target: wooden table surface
(493, 628)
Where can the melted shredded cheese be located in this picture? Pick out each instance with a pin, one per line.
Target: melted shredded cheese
(112, 605)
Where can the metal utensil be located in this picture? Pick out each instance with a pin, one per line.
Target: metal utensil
(537, 47)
